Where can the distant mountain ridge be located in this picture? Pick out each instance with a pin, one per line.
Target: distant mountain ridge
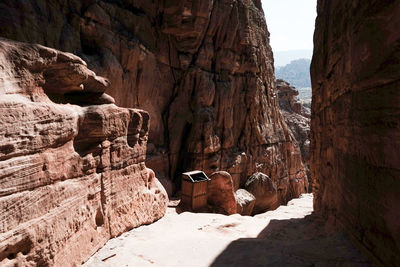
(282, 58)
(297, 73)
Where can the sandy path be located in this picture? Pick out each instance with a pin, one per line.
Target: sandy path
(286, 237)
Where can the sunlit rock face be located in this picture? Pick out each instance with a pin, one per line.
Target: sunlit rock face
(203, 70)
(355, 160)
(297, 117)
(71, 176)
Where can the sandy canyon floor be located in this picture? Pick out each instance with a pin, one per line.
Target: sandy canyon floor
(287, 236)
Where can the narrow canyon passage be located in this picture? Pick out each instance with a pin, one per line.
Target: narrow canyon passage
(289, 235)
(104, 104)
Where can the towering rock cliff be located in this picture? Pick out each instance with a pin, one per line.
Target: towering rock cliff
(355, 160)
(71, 176)
(203, 69)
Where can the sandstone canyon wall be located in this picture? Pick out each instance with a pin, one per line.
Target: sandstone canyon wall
(355, 159)
(71, 176)
(203, 69)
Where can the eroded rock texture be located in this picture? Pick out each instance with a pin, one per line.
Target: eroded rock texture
(71, 176)
(297, 117)
(244, 202)
(203, 69)
(355, 159)
(264, 190)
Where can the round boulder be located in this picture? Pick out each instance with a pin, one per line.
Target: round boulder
(264, 190)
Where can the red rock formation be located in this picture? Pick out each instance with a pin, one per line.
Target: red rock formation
(203, 69)
(287, 99)
(355, 160)
(221, 195)
(71, 176)
(297, 117)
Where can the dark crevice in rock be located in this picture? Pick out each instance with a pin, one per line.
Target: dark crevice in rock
(99, 218)
(133, 129)
(11, 250)
(184, 158)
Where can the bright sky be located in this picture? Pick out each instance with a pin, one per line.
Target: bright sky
(290, 23)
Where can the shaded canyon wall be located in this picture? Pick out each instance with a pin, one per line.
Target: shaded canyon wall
(355, 159)
(202, 69)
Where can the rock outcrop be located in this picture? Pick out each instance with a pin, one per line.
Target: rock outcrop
(297, 117)
(288, 101)
(355, 160)
(203, 69)
(71, 176)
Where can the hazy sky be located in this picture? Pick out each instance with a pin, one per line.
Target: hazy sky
(290, 23)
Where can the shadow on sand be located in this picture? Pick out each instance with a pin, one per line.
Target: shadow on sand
(294, 242)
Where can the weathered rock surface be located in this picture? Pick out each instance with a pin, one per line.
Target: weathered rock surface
(355, 160)
(264, 190)
(221, 194)
(288, 101)
(297, 117)
(71, 176)
(244, 202)
(203, 69)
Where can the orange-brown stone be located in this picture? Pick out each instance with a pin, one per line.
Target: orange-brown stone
(71, 177)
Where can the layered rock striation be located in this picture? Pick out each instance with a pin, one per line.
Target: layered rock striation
(202, 69)
(355, 160)
(71, 176)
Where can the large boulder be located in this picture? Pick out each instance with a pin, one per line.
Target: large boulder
(221, 195)
(264, 190)
(244, 202)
